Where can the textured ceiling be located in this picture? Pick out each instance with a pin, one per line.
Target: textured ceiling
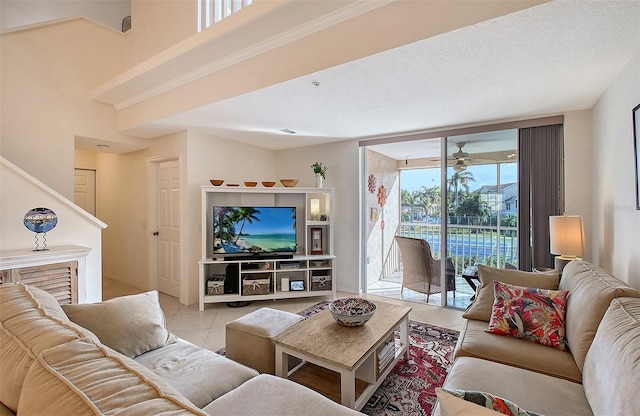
(549, 59)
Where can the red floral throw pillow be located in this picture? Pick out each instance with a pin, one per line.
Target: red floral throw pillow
(530, 313)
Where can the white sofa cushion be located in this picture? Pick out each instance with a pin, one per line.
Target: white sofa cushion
(30, 322)
(474, 341)
(611, 367)
(82, 378)
(199, 374)
(131, 325)
(530, 390)
(268, 395)
(591, 290)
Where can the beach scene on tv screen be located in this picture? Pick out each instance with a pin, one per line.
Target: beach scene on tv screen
(254, 229)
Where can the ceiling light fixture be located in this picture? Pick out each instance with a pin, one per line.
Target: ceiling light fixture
(288, 131)
(460, 166)
(103, 146)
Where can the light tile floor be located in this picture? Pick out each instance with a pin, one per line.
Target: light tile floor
(390, 287)
(207, 328)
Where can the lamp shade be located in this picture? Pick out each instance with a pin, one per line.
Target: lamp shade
(566, 235)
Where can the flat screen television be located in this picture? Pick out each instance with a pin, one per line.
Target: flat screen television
(254, 230)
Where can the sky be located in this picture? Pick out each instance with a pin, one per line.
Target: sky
(484, 175)
(272, 220)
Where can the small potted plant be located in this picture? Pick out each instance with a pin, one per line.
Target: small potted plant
(320, 171)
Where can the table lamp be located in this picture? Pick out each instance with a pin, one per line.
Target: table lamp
(566, 238)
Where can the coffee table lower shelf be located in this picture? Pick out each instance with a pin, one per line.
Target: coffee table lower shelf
(324, 381)
(363, 381)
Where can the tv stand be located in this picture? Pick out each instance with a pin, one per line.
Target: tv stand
(270, 275)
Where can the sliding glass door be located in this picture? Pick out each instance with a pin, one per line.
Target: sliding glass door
(481, 204)
(459, 194)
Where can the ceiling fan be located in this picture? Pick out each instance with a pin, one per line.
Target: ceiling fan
(462, 159)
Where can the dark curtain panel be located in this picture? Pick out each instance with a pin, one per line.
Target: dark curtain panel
(540, 192)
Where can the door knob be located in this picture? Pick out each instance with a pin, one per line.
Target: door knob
(156, 233)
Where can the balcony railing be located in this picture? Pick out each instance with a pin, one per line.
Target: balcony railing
(468, 244)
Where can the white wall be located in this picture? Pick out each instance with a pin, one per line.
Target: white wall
(343, 161)
(158, 25)
(123, 202)
(616, 225)
(578, 150)
(47, 77)
(21, 193)
(85, 159)
(16, 13)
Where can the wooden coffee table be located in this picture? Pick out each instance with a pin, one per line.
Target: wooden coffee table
(345, 364)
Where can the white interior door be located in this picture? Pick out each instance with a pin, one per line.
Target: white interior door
(168, 232)
(84, 192)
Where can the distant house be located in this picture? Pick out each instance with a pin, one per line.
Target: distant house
(416, 212)
(504, 199)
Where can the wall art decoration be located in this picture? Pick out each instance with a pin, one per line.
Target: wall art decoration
(374, 214)
(372, 183)
(382, 195)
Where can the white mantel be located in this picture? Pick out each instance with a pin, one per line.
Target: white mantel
(15, 259)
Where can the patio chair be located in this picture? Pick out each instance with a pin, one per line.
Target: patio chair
(420, 271)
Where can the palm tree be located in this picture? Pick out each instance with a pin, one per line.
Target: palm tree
(245, 214)
(430, 198)
(409, 199)
(460, 179)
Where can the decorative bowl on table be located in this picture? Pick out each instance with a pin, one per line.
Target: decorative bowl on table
(268, 184)
(352, 311)
(216, 182)
(250, 184)
(289, 183)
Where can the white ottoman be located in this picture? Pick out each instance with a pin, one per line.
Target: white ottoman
(249, 339)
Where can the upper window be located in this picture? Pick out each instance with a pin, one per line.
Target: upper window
(213, 11)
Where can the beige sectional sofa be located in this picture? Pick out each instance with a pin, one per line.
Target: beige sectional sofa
(600, 372)
(51, 365)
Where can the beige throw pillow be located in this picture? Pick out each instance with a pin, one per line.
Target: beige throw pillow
(131, 325)
(482, 305)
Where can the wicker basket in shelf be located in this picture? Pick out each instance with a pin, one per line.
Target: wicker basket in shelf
(256, 284)
(215, 285)
(320, 281)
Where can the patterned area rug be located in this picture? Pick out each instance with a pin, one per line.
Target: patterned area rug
(409, 390)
